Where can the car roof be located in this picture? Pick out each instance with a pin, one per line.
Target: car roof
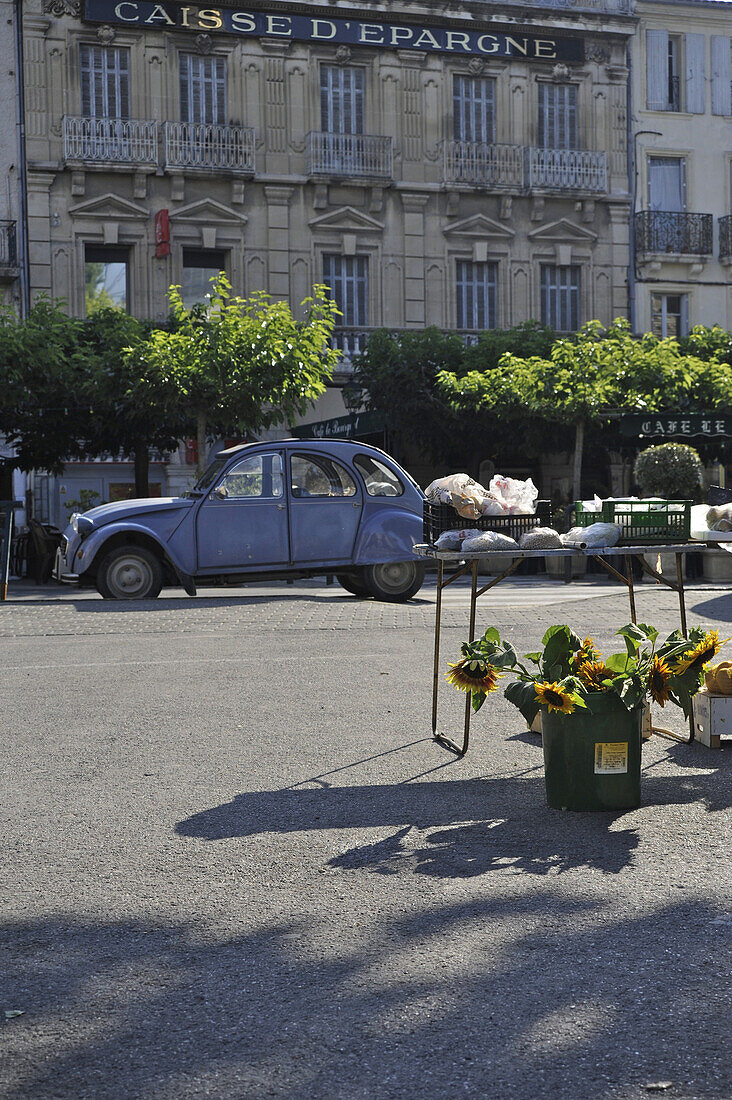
(344, 443)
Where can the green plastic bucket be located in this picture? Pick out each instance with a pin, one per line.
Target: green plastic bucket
(592, 757)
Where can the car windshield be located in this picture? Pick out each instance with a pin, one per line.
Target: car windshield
(210, 474)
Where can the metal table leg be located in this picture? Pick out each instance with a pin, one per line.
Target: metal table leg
(447, 741)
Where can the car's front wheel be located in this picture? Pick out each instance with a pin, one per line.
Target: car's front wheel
(395, 581)
(130, 573)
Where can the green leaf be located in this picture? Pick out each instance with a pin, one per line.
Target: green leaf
(477, 698)
(533, 657)
(617, 662)
(522, 694)
(492, 635)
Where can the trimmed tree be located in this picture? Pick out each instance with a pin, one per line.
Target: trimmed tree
(236, 364)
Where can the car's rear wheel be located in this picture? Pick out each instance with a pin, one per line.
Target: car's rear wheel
(353, 583)
(394, 581)
(130, 573)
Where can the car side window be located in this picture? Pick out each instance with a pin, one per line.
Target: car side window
(380, 480)
(257, 476)
(320, 476)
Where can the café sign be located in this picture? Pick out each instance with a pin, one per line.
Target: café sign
(678, 425)
(350, 32)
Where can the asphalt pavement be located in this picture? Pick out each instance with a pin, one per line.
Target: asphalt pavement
(236, 865)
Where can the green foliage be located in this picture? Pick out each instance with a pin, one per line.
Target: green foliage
(671, 470)
(88, 499)
(242, 364)
(568, 669)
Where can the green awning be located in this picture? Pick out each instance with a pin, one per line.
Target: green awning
(342, 427)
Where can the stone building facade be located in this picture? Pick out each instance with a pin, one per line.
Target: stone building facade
(682, 109)
(457, 167)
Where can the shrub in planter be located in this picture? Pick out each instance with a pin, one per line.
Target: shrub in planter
(672, 470)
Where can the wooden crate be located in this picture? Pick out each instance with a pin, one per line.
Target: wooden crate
(712, 718)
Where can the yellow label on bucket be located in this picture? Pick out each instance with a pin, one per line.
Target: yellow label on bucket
(610, 757)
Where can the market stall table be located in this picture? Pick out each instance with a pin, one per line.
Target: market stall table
(469, 562)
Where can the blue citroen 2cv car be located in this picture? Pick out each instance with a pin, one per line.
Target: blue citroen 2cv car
(286, 509)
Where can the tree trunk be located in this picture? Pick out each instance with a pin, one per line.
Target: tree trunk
(201, 441)
(142, 469)
(579, 443)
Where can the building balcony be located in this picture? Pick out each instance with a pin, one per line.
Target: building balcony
(350, 342)
(203, 145)
(666, 232)
(351, 156)
(481, 165)
(110, 140)
(725, 238)
(9, 269)
(566, 170)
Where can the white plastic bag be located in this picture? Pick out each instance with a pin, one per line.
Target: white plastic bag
(518, 497)
(719, 518)
(597, 534)
(485, 541)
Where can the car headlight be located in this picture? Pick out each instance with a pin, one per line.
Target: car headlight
(81, 524)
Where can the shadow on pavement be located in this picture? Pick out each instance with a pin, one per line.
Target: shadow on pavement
(720, 608)
(500, 996)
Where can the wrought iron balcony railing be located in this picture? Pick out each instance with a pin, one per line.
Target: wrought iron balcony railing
(567, 170)
(725, 237)
(110, 140)
(203, 145)
(8, 245)
(666, 232)
(482, 165)
(363, 156)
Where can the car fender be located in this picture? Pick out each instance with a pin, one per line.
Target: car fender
(92, 547)
(388, 535)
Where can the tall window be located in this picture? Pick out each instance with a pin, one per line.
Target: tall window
(560, 296)
(341, 99)
(667, 183)
(105, 277)
(670, 315)
(200, 265)
(105, 82)
(347, 277)
(473, 105)
(202, 89)
(673, 72)
(476, 295)
(558, 116)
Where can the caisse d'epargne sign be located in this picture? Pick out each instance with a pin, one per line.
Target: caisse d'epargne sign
(351, 32)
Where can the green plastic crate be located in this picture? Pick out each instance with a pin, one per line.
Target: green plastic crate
(641, 525)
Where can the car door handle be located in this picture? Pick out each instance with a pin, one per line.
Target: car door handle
(280, 507)
(357, 504)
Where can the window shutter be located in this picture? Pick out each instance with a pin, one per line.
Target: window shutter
(721, 75)
(656, 70)
(185, 84)
(695, 85)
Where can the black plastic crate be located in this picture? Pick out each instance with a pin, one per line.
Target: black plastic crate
(443, 517)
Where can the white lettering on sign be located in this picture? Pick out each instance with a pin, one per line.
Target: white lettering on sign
(488, 43)
(369, 29)
(427, 37)
(159, 13)
(400, 34)
(544, 47)
(317, 23)
(279, 24)
(243, 21)
(453, 36)
(127, 18)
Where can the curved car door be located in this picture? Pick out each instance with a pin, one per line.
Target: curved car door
(243, 521)
(325, 508)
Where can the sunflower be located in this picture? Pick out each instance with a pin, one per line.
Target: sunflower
(587, 652)
(703, 652)
(658, 680)
(473, 674)
(592, 674)
(555, 697)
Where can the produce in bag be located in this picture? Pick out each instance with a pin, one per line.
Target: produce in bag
(487, 541)
(597, 534)
(540, 538)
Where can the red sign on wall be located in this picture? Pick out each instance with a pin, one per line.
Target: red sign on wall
(162, 234)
